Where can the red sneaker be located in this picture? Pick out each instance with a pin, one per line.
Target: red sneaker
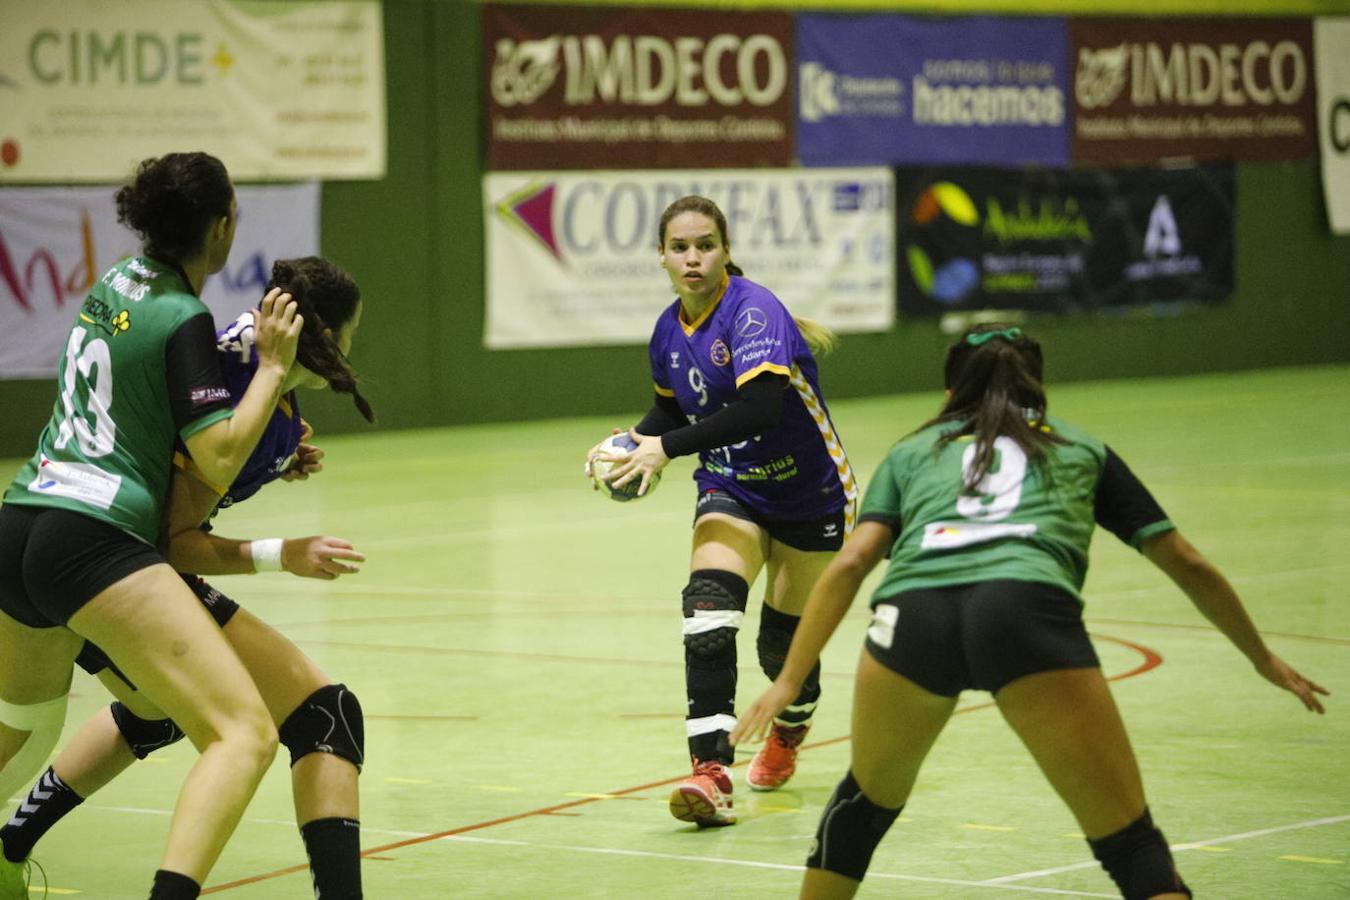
(775, 762)
(704, 798)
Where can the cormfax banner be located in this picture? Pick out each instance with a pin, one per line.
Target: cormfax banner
(891, 88)
(1063, 241)
(54, 242)
(573, 259)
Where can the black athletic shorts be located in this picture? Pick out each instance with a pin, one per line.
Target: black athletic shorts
(93, 660)
(982, 635)
(53, 562)
(826, 533)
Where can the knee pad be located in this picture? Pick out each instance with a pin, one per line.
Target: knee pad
(328, 721)
(1138, 860)
(714, 605)
(775, 638)
(144, 736)
(849, 831)
(43, 722)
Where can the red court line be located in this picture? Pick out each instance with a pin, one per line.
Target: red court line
(1151, 661)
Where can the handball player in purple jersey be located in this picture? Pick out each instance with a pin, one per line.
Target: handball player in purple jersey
(319, 722)
(736, 383)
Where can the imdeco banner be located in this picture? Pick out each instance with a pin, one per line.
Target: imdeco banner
(1063, 241)
(614, 87)
(277, 90)
(55, 241)
(572, 258)
(1154, 89)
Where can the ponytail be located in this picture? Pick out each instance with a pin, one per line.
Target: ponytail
(994, 381)
(818, 337)
(327, 298)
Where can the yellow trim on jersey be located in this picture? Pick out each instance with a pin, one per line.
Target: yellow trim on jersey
(185, 465)
(703, 316)
(832, 446)
(284, 404)
(761, 368)
(664, 392)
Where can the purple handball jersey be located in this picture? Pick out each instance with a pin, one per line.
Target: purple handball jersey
(797, 471)
(238, 362)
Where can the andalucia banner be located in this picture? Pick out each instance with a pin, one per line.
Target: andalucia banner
(1062, 241)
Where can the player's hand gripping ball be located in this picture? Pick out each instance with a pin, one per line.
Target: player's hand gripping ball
(618, 445)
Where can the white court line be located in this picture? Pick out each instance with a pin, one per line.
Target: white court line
(1193, 845)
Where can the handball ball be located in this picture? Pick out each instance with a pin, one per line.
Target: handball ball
(618, 444)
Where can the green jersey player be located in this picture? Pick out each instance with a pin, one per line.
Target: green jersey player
(79, 523)
(986, 513)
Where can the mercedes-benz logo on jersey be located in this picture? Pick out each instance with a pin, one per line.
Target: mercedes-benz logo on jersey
(751, 322)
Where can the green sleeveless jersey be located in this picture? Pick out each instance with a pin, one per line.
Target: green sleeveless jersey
(1024, 522)
(108, 449)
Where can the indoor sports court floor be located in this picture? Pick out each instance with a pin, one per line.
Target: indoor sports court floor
(514, 639)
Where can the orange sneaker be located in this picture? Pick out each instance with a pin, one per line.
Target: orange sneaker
(704, 798)
(775, 762)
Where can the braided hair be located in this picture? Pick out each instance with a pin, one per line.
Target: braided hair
(327, 298)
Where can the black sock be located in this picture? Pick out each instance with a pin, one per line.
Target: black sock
(334, 848)
(47, 803)
(172, 886)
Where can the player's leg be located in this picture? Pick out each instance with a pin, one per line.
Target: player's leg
(1034, 655)
(895, 723)
(321, 725)
(1069, 721)
(728, 554)
(36, 661)
(156, 632)
(98, 753)
(791, 573)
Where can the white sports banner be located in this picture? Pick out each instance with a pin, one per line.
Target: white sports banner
(278, 90)
(1331, 41)
(54, 242)
(572, 257)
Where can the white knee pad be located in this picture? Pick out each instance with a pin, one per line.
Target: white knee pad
(44, 722)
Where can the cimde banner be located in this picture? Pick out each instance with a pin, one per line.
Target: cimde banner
(573, 261)
(1332, 40)
(278, 90)
(595, 87)
(1152, 89)
(54, 242)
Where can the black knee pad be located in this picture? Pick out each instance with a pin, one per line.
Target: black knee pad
(144, 736)
(714, 603)
(775, 638)
(1138, 860)
(849, 831)
(328, 721)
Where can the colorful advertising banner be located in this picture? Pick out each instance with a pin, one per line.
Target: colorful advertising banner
(55, 241)
(572, 258)
(588, 88)
(881, 89)
(1332, 40)
(277, 90)
(1063, 241)
(1152, 89)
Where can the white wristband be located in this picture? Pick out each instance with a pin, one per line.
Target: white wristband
(266, 554)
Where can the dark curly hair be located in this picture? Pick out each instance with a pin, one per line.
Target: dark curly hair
(172, 200)
(327, 298)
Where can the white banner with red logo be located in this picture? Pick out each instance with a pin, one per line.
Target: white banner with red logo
(572, 257)
(278, 90)
(1331, 38)
(55, 241)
